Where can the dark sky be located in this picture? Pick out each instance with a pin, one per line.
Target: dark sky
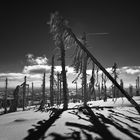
(23, 30)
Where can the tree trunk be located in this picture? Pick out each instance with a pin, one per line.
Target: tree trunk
(85, 79)
(105, 72)
(5, 96)
(52, 83)
(65, 100)
(24, 94)
(14, 103)
(32, 94)
(43, 90)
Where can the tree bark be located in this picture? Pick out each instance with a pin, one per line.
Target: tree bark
(65, 100)
(52, 83)
(5, 96)
(24, 92)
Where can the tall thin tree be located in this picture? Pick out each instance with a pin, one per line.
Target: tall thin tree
(137, 85)
(5, 96)
(32, 94)
(43, 89)
(52, 83)
(115, 75)
(84, 74)
(24, 94)
(56, 28)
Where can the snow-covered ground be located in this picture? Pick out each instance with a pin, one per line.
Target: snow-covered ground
(120, 121)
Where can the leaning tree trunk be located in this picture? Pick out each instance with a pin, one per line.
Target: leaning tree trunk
(59, 27)
(104, 70)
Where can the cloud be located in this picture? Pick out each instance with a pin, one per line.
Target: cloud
(36, 66)
(11, 76)
(32, 60)
(133, 70)
(36, 69)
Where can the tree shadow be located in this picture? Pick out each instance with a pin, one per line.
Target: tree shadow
(100, 124)
(118, 126)
(132, 119)
(96, 126)
(134, 129)
(38, 132)
(75, 135)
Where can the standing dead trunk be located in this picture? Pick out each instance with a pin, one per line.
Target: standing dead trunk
(137, 86)
(84, 68)
(24, 94)
(52, 83)
(43, 90)
(85, 79)
(14, 103)
(58, 90)
(65, 100)
(32, 96)
(5, 96)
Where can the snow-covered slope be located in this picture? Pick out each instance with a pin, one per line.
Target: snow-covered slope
(120, 122)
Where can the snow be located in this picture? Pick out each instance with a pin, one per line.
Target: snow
(14, 126)
(120, 121)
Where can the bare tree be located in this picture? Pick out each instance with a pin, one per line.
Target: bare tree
(43, 89)
(32, 94)
(137, 86)
(24, 94)
(14, 103)
(64, 36)
(84, 69)
(115, 75)
(92, 83)
(5, 96)
(57, 24)
(52, 83)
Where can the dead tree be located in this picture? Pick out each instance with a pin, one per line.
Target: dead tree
(57, 30)
(24, 94)
(98, 83)
(75, 82)
(99, 91)
(137, 86)
(14, 103)
(102, 87)
(122, 85)
(58, 88)
(32, 94)
(52, 83)
(131, 90)
(92, 83)
(65, 99)
(105, 88)
(115, 75)
(5, 96)
(84, 68)
(43, 89)
(42, 102)
(68, 37)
